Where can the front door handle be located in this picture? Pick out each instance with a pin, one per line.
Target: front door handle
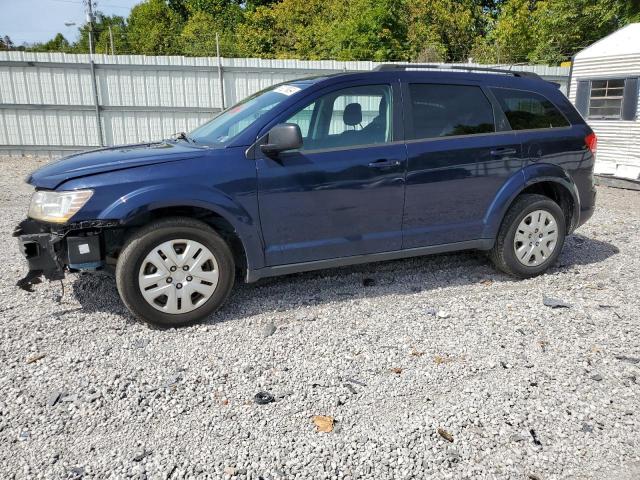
(503, 152)
(384, 163)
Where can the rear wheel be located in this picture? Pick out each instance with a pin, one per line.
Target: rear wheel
(174, 272)
(531, 236)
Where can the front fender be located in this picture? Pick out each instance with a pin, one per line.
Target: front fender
(163, 195)
(516, 184)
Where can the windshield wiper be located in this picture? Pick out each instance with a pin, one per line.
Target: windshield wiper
(182, 136)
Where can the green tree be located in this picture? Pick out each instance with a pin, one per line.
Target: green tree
(6, 43)
(443, 30)
(57, 44)
(551, 31)
(154, 29)
(631, 11)
(495, 31)
(513, 36)
(179, 7)
(253, 4)
(259, 35)
(198, 37)
(326, 29)
(289, 29)
(564, 27)
(369, 30)
(101, 40)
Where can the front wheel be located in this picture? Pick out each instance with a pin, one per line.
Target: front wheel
(531, 236)
(174, 272)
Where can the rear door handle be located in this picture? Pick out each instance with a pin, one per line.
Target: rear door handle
(503, 152)
(384, 163)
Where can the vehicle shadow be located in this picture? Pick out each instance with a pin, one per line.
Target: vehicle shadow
(97, 293)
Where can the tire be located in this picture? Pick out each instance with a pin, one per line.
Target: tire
(525, 208)
(193, 294)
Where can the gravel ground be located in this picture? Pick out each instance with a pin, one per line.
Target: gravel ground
(392, 351)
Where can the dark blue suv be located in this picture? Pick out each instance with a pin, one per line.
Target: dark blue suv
(317, 173)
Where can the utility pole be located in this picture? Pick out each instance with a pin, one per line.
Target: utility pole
(220, 75)
(89, 5)
(113, 50)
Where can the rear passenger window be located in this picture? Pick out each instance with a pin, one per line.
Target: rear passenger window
(528, 110)
(446, 110)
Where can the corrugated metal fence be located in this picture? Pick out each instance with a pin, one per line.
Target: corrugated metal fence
(54, 103)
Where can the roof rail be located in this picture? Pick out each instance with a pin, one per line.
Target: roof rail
(406, 66)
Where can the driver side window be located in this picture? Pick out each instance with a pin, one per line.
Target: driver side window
(346, 118)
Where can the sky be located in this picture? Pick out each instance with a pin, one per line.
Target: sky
(39, 20)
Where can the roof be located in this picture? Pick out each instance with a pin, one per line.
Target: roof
(495, 77)
(625, 41)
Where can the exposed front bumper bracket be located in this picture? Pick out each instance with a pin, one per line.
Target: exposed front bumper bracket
(42, 252)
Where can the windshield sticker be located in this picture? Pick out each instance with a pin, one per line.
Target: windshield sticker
(287, 90)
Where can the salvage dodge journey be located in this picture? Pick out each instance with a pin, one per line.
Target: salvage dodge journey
(317, 173)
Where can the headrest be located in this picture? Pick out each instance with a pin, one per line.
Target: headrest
(352, 115)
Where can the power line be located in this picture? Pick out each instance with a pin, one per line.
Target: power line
(81, 2)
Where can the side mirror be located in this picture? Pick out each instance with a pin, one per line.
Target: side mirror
(282, 137)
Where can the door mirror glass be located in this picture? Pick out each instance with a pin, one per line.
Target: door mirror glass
(283, 137)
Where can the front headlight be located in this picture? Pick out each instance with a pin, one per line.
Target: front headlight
(57, 207)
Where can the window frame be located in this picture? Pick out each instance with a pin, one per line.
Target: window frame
(499, 119)
(566, 127)
(397, 133)
(621, 98)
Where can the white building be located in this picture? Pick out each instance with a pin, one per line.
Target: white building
(604, 88)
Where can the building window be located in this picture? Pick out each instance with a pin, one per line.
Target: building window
(606, 97)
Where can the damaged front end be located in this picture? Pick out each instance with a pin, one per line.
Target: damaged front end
(52, 249)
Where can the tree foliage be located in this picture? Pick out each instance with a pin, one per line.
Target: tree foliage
(370, 30)
(101, 36)
(57, 44)
(154, 28)
(289, 29)
(492, 31)
(444, 30)
(6, 43)
(550, 31)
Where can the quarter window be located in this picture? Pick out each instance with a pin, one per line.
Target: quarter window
(606, 97)
(346, 118)
(447, 110)
(529, 110)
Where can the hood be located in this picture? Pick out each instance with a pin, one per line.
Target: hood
(110, 159)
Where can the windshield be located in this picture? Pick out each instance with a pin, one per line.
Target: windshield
(230, 123)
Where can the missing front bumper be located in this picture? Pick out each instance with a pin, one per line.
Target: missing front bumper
(50, 251)
(42, 251)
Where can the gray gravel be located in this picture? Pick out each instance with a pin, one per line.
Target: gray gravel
(431, 348)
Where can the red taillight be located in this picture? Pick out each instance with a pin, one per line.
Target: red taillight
(591, 141)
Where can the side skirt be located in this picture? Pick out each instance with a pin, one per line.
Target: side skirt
(255, 275)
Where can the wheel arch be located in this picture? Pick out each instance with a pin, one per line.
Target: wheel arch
(549, 180)
(560, 193)
(219, 211)
(209, 216)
